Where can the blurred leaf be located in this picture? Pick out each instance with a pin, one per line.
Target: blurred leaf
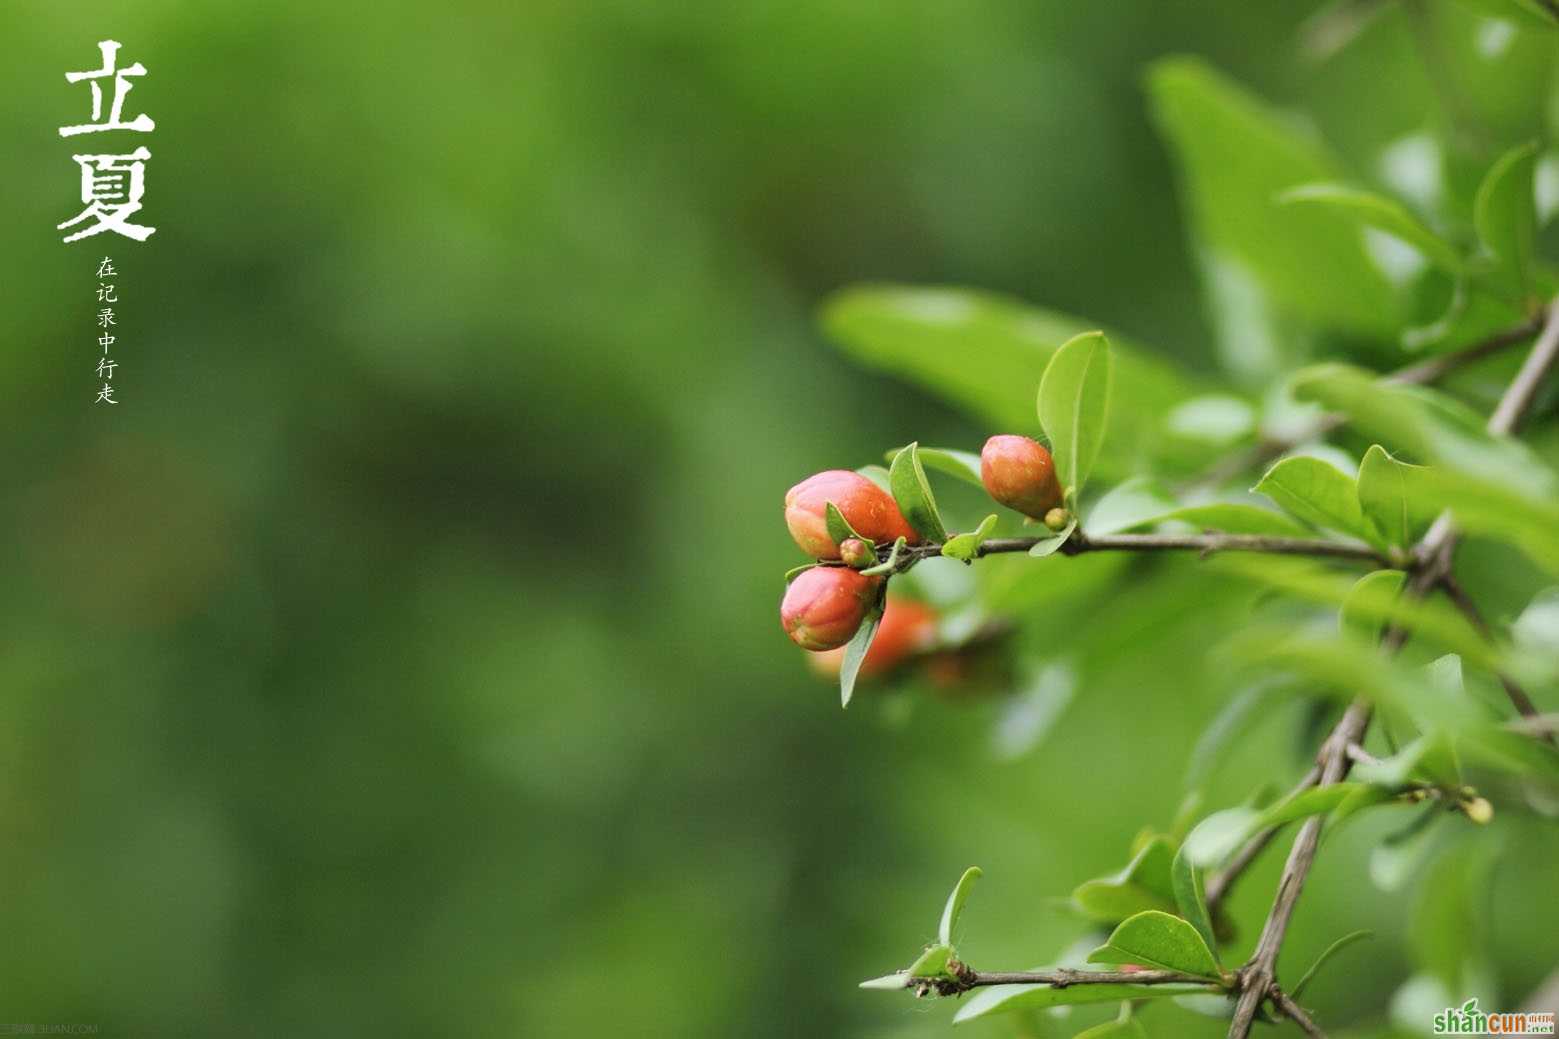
(1145, 883)
(1126, 1027)
(855, 652)
(1379, 212)
(1320, 961)
(1074, 402)
(1238, 518)
(962, 465)
(1190, 899)
(1318, 493)
(1135, 503)
(1214, 418)
(963, 546)
(1505, 213)
(929, 335)
(1001, 999)
(1450, 924)
(1157, 939)
(1025, 718)
(1430, 757)
(1393, 496)
(1051, 545)
(1400, 857)
(955, 904)
(1236, 156)
(913, 493)
(1221, 834)
(1370, 602)
(1228, 724)
(878, 475)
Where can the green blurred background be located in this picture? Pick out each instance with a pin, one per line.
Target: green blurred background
(400, 657)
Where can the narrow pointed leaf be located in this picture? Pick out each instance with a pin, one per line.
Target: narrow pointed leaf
(1074, 400)
(1191, 900)
(1379, 212)
(913, 493)
(839, 528)
(1331, 950)
(961, 465)
(964, 546)
(955, 904)
(855, 654)
(1505, 213)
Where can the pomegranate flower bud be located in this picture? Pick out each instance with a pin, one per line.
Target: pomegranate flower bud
(1019, 473)
(857, 553)
(824, 606)
(870, 511)
(908, 627)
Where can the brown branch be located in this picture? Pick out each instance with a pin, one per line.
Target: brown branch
(1420, 374)
(1434, 559)
(1295, 1013)
(1062, 977)
(1218, 884)
(1079, 543)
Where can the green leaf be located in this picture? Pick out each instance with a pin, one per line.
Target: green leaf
(962, 465)
(1505, 213)
(1232, 720)
(1379, 212)
(796, 571)
(929, 335)
(1318, 493)
(876, 474)
(855, 652)
(1238, 518)
(964, 546)
(1222, 833)
(913, 494)
(1134, 503)
(888, 982)
(1236, 156)
(1157, 939)
(1430, 757)
(1121, 1028)
(1001, 999)
(1144, 883)
(1393, 496)
(839, 528)
(1369, 604)
(1190, 899)
(1053, 544)
(955, 904)
(1074, 401)
(1331, 950)
(932, 963)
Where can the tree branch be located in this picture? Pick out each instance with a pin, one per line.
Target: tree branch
(1079, 543)
(1295, 1013)
(1062, 977)
(1434, 558)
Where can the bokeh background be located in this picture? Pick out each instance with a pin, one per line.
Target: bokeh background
(400, 656)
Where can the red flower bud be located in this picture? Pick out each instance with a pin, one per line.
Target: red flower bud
(865, 506)
(907, 628)
(1019, 473)
(824, 606)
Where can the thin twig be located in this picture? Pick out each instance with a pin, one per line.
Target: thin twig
(1079, 543)
(1063, 977)
(1295, 1013)
(1218, 884)
(1518, 696)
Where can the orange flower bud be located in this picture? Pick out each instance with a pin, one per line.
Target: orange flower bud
(857, 553)
(869, 509)
(824, 606)
(1019, 473)
(907, 628)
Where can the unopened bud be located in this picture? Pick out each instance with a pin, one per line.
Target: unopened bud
(857, 553)
(825, 605)
(1019, 473)
(1478, 810)
(870, 511)
(1057, 519)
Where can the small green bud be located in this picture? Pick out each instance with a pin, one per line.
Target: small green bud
(1478, 810)
(1057, 519)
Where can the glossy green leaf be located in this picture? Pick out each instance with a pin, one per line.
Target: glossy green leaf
(1157, 939)
(955, 904)
(855, 652)
(1145, 883)
(1219, 835)
(1053, 544)
(964, 546)
(1379, 212)
(1505, 213)
(1320, 961)
(888, 982)
(1001, 999)
(913, 493)
(1191, 900)
(1074, 401)
(1134, 503)
(961, 465)
(796, 571)
(1318, 493)
(1370, 603)
(1396, 497)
